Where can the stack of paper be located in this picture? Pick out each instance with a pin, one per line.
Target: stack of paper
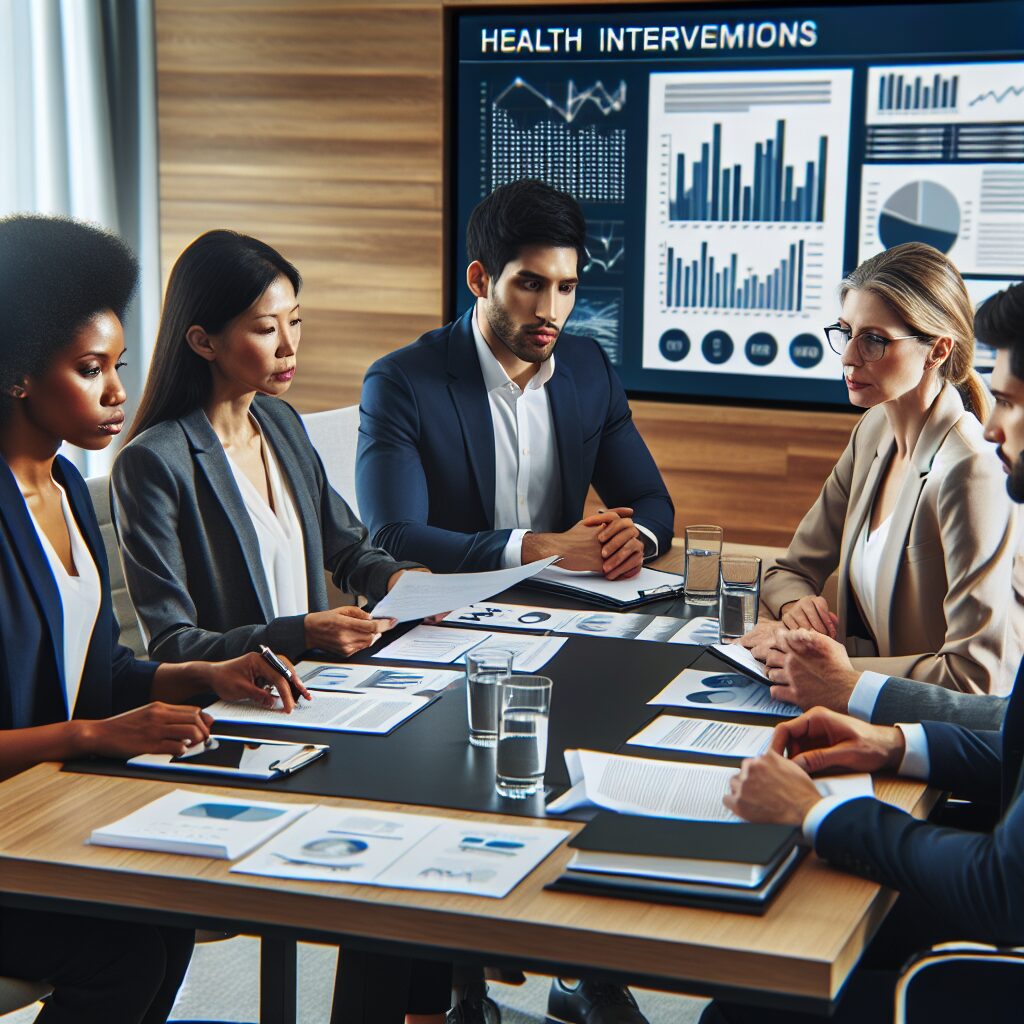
(446, 645)
(199, 824)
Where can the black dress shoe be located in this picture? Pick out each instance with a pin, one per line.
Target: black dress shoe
(592, 1002)
(475, 1007)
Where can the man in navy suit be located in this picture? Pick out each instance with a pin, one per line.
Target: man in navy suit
(955, 884)
(478, 444)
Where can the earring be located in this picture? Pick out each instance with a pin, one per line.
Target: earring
(18, 391)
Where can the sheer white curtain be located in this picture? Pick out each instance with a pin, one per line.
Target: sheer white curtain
(78, 136)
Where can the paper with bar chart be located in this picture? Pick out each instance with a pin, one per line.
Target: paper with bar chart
(746, 211)
(944, 163)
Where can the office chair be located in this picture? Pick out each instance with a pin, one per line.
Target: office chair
(334, 434)
(16, 994)
(961, 981)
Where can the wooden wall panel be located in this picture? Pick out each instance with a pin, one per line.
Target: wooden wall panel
(317, 125)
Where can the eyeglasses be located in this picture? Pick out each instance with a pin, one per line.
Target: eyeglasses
(870, 346)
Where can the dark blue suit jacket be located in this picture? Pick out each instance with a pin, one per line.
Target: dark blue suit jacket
(425, 469)
(32, 688)
(974, 881)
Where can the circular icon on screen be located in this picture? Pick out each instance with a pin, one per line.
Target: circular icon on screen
(806, 351)
(674, 345)
(762, 348)
(717, 347)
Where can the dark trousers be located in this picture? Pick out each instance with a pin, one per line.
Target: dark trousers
(870, 990)
(374, 989)
(101, 972)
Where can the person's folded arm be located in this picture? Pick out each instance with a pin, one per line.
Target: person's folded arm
(974, 881)
(392, 485)
(813, 553)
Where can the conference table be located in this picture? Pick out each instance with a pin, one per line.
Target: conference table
(797, 955)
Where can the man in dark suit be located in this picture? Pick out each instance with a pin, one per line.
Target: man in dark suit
(478, 443)
(955, 884)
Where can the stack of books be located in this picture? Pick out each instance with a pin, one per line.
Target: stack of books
(720, 865)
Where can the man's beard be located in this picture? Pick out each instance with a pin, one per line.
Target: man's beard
(1015, 481)
(511, 335)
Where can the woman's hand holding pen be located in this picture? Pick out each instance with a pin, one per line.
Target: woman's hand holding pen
(345, 630)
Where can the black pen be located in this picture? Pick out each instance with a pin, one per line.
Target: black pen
(275, 663)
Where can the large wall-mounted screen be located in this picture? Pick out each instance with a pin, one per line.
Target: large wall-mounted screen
(734, 162)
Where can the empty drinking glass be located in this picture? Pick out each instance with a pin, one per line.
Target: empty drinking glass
(484, 672)
(524, 706)
(703, 550)
(738, 595)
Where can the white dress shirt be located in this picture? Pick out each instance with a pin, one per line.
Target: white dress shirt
(527, 476)
(864, 562)
(79, 598)
(279, 535)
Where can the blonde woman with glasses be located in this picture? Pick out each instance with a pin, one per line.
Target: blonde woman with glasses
(915, 513)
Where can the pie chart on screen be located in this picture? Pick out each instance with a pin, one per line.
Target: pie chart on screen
(920, 211)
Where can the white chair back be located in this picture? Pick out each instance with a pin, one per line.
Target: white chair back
(124, 610)
(334, 434)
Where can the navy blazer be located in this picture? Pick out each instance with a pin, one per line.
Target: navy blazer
(975, 881)
(425, 467)
(32, 690)
(191, 555)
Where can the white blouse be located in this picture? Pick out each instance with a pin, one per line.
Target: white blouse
(864, 561)
(79, 598)
(279, 535)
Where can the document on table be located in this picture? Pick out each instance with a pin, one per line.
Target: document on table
(701, 736)
(724, 692)
(448, 645)
(666, 789)
(418, 594)
(626, 625)
(326, 675)
(737, 654)
(407, 851)
(335, 712)
(646, 584)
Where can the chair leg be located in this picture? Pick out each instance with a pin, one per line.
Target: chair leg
(278, 981)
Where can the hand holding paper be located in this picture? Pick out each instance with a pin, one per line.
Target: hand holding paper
(417, 595)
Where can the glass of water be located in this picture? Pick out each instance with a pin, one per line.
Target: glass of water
(524, 705)
(703, 550)
(739, 595)
(484, 674)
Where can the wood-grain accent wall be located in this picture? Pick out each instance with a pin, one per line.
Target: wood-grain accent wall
(316, 125)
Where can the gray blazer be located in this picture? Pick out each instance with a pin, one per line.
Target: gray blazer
(190, 552)
(906, 700)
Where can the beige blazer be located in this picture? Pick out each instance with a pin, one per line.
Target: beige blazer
(946, 606)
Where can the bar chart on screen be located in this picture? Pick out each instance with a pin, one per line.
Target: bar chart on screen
(746, 178)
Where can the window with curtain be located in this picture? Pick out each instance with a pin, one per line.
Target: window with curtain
(79, 138)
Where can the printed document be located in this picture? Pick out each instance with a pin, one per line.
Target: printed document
(449, 645)
(418, 594)
(645, 584)
(329, 675)
(666, 789)
(406, 851)
(626, 625)
(335, 712)
(737, 654)
(701, 736)
(723, 692)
